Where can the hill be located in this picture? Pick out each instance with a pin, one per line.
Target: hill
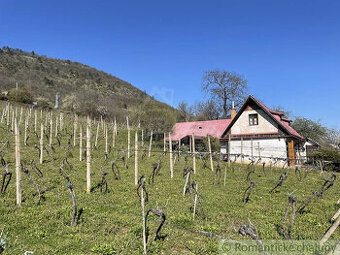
(82, 89)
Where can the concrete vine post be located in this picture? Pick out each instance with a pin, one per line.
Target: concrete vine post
(41, 142)
(210, 154)
(136, 158)
(193, 153)
(17, 163)
(88, 155)
(150, 143)
(171, 160)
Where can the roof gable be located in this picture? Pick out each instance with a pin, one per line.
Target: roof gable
(278, 117)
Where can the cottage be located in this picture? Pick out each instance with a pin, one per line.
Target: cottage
(255, 131)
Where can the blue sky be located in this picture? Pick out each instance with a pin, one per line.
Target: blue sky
(289, 51)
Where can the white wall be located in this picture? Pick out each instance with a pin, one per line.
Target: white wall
(265, 124)
(275, 147)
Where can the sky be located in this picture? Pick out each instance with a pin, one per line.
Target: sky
(288, 51)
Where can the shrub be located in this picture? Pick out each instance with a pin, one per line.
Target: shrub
(328, 153)
(21, 95)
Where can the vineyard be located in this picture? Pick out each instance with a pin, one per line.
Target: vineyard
(76, 185)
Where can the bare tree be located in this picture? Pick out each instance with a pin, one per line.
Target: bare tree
(185, 111)
(206, 110)
(225, 86)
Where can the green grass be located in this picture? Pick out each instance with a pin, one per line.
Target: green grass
(111, 223)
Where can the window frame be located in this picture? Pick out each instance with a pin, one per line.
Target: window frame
(252, 117)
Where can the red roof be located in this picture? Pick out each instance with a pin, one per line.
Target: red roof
(279, 117)
(214, 128)
(217, 128)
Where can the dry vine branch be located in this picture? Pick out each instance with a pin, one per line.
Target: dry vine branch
(142, 185)
(279, 184)
(115, 170)
(291, 203)
(30, 178)
(73, 197)
(326, 185)
(252, 232)
(7, 176)
(159, 213)
(247, 192)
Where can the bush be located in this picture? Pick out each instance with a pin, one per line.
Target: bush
(21, 95)
(44, 103)
(215, 143)
(324, 153)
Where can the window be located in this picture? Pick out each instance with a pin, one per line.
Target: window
(253, 119)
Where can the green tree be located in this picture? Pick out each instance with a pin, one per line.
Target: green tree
(310, 129)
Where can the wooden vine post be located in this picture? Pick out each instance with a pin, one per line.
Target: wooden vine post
(17, 163)
(114, 136)
(88, 155)
(164, 143)
(51, 129)
(75, 123)
(142, 138)
(35, 120)
(193, 153)
(171, 160)
(142, 201)
(106, 146)
(330, 232)
(195, 202)
(25, 132)
(210, 154)
(96, 139)
(80, 143)
(150, 143)
(56, 126)
(229, 151)
(129, 138)
(242, 150)
(136, 158)
(41, 142)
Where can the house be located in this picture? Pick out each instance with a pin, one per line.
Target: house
(255, 131)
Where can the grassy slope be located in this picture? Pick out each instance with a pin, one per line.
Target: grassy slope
(74, 81)
(112, 222)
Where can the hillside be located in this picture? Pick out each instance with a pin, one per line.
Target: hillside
(82, 88)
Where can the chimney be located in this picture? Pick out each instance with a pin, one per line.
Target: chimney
(232, 111)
